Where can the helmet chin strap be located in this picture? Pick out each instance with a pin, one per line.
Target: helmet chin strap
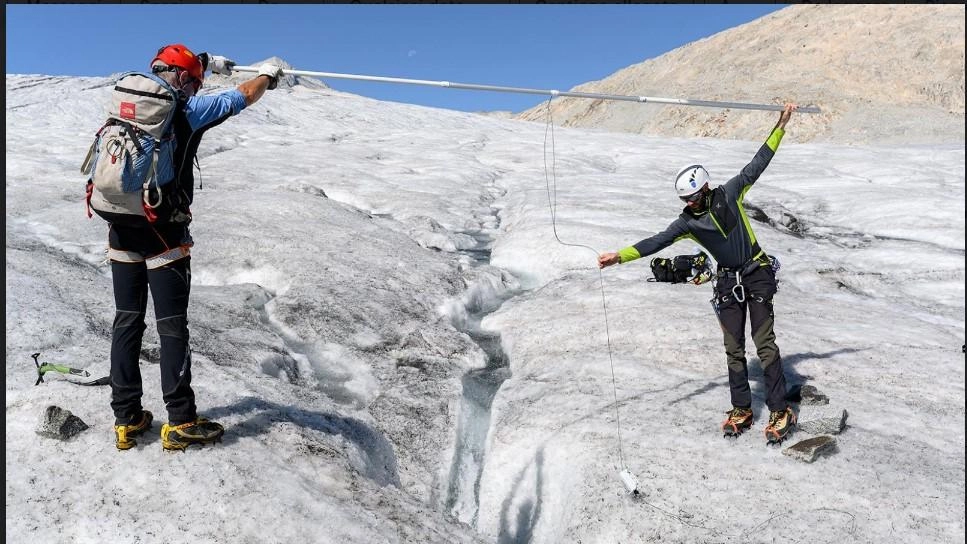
(702, 206)
(703, 203)
(185, 87)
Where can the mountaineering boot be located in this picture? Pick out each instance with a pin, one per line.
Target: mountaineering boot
(780, 423)
(126, 432)
(200, 431)
(738, 421)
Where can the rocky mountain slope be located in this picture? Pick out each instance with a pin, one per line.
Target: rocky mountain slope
(881, 74)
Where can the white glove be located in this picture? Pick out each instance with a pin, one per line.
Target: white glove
(221, 65)
(274, 72)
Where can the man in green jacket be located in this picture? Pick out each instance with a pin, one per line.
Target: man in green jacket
(745, 279)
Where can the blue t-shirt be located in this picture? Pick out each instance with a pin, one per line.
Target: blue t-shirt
(206, 109)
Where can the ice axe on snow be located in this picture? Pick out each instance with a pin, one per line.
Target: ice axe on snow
(43, 368)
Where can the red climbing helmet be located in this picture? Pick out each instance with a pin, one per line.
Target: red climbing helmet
(180, 56)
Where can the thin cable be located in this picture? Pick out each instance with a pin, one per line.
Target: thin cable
(551, 181)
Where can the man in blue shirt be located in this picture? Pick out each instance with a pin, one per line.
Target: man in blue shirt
(155, 255)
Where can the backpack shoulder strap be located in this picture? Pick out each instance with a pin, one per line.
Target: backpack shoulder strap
(153, 77)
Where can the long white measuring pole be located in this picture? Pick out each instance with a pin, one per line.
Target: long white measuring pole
(549, 92)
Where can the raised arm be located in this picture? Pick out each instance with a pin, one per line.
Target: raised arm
(751, 172)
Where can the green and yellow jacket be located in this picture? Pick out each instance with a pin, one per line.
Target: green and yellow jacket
(722, 228)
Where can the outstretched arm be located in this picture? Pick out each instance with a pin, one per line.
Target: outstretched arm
(653, 244)
(737, 186)
(254, 88)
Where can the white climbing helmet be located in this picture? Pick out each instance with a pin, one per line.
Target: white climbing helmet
(690, 180)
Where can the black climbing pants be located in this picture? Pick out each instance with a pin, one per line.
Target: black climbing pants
(169, 286)
(731, 304)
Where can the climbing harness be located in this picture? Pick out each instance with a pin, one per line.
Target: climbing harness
(738, 290)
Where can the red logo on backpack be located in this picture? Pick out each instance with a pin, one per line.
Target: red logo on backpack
(127, 110)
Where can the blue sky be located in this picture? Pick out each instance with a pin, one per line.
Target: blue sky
(544, 46)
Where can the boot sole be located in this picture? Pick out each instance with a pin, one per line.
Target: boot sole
(775, 441)
(735, 432)
(182, 446)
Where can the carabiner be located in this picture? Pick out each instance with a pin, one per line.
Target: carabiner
(739, 288)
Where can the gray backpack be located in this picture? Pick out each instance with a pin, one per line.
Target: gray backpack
(132, 155)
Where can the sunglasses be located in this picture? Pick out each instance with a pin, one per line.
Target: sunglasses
(693, 198)
(203, 58)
